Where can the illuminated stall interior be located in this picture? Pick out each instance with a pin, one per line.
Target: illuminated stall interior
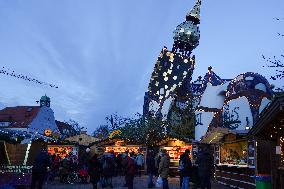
(121, 149)
(118, 146)
(232, 151)
(175, 148)
(62, 150)
(231, 147)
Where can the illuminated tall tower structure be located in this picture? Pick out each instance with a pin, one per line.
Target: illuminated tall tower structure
(173, 70)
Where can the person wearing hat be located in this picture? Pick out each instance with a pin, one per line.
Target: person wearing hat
(164, 168)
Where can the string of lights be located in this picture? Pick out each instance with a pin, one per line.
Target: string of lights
(282, 150)
(18, 135)
(8, 72)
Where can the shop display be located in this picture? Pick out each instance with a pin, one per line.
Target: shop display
(62, 150)
(122, 149)
(234, 153)
(175, 152)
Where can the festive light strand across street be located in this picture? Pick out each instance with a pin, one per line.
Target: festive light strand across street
(8, 72)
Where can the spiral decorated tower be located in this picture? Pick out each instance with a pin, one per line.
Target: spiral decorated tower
(173, 70)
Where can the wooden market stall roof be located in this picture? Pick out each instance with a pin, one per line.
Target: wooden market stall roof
(214, 135)
(274, 112)
(105, 142)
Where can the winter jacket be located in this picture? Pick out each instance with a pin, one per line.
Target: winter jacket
(164, 166)
(150, 162)
(108, 166)
(140, 160)
(205, 164)
(157, 160)
(131, 167)
(94, 170)
(65, 166)
(187, 166)
(42, 161)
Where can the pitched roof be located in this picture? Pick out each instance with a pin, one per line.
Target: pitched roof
(19, 116)
(273, 112)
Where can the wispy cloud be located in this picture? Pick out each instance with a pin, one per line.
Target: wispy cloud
(101, 53)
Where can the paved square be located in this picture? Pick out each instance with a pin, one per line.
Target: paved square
(139, 183)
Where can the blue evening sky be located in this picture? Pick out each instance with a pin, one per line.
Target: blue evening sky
(101, 53)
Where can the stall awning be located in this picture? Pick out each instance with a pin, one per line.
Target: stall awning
(216, 134)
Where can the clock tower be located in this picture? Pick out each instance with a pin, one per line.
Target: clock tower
(45, 101)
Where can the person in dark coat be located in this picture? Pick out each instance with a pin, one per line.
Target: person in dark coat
(94, 170)
(39, 170)
(181, 167)
(118, 161)
(157, 163)
(130, 171)
(186, 170)
(124, 165)
(108, 168)
(164, 168)
(205, 164)
(151, 169)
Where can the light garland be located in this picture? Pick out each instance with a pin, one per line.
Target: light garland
(14, 134)
(27, 154)
(15, 169)
(7, 72)
(7, 155)
(282, 151)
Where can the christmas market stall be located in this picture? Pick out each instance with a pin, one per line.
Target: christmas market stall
(118, 146)
(268, 141)
(18, 151)
(62, 150)
(232, 156)
(175, 148)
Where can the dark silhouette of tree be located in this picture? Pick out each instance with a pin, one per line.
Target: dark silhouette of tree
(115, 121)
(75, 128)
(181, 123)
(148, 131)
(101, 132)
(135, 130)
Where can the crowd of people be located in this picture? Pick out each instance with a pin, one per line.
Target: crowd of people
(100, 169)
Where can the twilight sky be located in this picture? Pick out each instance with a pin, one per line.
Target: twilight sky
(101, 53)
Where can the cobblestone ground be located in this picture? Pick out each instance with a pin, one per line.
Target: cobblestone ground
(139, 183)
